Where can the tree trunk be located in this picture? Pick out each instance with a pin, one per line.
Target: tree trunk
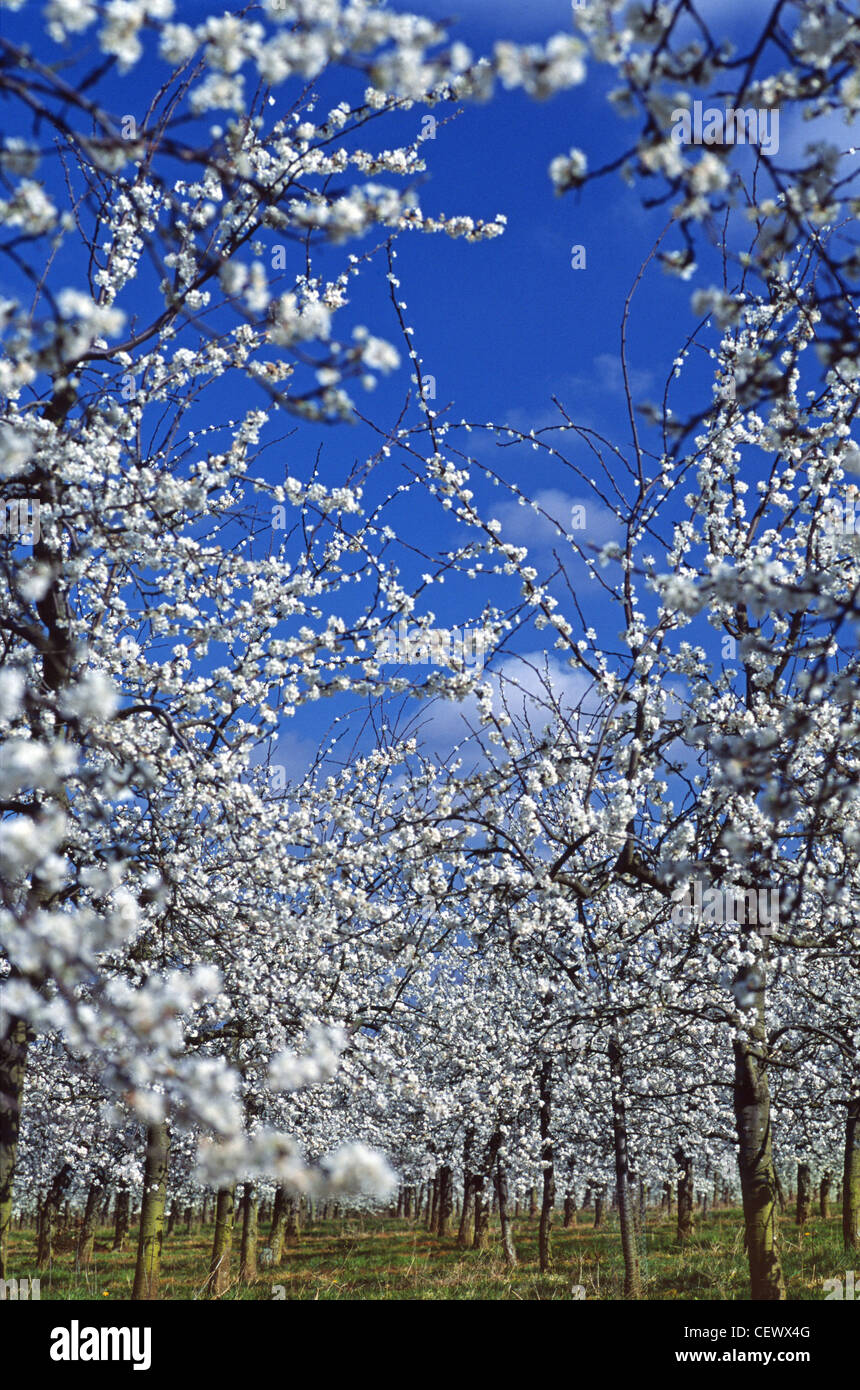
(57, 659)
(804, 1194)
(150, 1238)
(481, 1238)
(86, 1238)
(48, 1213)
(13, 1061)
(599, 1193)
(222, 1243)
(508, 1247)
(121, 1215)
(685, 1195)
(248, 1247)
(278, 1228)
(433, 1203)
(468, 1190)
(780, 1193)
(629, 1244)
(569, 1210)
(291, 1229)
(851, 1179)
(445, 1204)
(547, 1157)
(824, 1194)
(755, 1162)
(482, 1207)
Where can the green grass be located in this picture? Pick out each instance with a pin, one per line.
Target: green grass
(375, 1257)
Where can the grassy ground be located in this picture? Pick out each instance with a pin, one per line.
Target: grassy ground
(372, 1257)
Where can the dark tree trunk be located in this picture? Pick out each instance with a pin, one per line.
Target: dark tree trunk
(480, 1238)
(121, 1217)
(629, 1244)
(599, 1199)
(291, 1229)
(278, 1229)
(482, 1207)
(433, 1204)
(86, 1237)
(13, 1062)
(48, 1214)
(445, 1203)
(547, 1156)
(508, 1247)
(851, 1179)
(804, 1193)
(755, 1162)
(222, 1243)
(780, 1192)
(150, 1239)
(468, 1189)
(685, 1195)
(248, 1247)
(824, 1194)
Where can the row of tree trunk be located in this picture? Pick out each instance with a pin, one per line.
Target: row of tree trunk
(154, 1223)
(485, 1185)
(761, 1190)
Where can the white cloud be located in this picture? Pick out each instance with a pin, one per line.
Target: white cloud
(539, 529)
(530, 685)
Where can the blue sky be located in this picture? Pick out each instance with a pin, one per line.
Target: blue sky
(502, 325)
